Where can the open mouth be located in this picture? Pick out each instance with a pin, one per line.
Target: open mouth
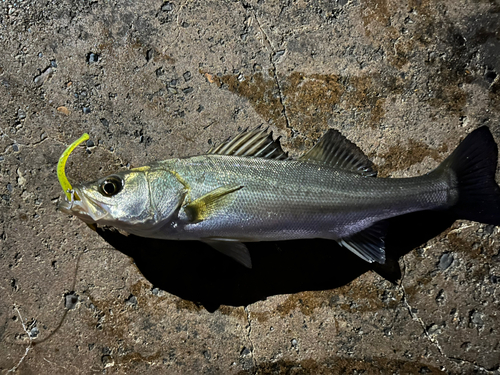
(85, 208)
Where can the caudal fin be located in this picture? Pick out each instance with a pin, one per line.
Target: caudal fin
(474, 164)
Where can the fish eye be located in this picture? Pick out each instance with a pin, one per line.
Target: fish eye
(111, 186)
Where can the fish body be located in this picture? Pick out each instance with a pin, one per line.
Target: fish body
(248, 190)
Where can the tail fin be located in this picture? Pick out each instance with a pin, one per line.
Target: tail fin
(474, 163)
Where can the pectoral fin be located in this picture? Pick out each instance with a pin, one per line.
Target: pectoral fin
(234, 249)
(368, 244)
(201, 208)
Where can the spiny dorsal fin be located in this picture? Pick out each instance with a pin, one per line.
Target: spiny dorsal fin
(204, 206)
(255, 143)
(337, 151)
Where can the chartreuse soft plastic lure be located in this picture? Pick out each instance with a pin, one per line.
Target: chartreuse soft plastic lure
(61, 174)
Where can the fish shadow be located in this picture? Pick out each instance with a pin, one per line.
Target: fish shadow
(194, 271)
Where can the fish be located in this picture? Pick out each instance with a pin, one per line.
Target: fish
(248, 190)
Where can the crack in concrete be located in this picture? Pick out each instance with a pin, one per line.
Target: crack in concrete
(269, 45)
(414, 316)
(426, 332)
(249, 332)
(28, 348)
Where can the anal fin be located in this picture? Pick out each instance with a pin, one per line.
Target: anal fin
(368, 244)
(233, 249)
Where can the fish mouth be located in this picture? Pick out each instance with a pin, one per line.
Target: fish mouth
(85, 208)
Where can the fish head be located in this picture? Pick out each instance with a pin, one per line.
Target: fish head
(123, 200)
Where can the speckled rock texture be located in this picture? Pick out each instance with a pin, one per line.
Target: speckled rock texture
(149, 80)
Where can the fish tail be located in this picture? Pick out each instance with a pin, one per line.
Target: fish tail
(473, 165)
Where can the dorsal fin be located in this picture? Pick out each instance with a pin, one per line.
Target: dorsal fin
(255, 143)
(337, 151)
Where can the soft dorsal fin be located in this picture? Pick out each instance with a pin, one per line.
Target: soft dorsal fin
(337, 151)
(255, 143)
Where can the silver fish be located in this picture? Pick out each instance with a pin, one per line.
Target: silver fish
(248, 190)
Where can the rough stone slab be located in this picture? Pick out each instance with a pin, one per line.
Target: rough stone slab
(149, 80)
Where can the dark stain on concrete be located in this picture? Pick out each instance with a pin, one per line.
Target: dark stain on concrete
(402, 157)
(310, 100)
(260, 90)
(235, 312)
(138, 357)
(338, 365)
(182, 304)
(367, 297)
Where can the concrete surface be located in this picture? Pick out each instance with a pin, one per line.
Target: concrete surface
(405, 80)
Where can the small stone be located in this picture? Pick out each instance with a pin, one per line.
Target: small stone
(86, 110)
(9, 187)
(159, 72)
(187, 90)
(294, 343)
(53, 63)
(210, 78)
(21, 115)
(34, 332)
(278, 54)
(15, 147)
(173, 83)
(167, 7)
(92, 57)
(90, 143)
(42, 77)
(245, 351)
(70, 300)
(131, 300)
(433, 329)
(476, 319)
(63, 110)
(104, 122)
(207, 355)
(440, 297)
(107, 361)
(200, 108)
(187, 76)
(445, 261)
(149, 54)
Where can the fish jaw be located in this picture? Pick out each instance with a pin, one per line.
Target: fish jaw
(85, 208)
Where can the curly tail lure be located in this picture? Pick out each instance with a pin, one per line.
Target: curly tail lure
(61, 174)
